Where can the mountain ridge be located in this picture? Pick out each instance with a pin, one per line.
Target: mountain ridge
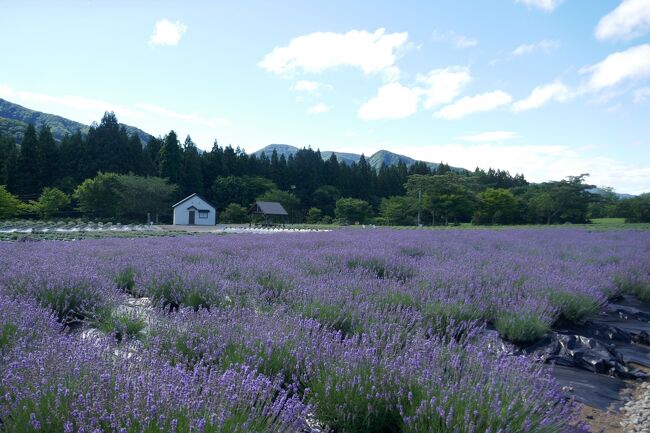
(14, 119)
(375, 160)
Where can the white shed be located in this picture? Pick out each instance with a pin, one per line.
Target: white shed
(194, 210)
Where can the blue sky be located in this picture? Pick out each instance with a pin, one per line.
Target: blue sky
(549, 88)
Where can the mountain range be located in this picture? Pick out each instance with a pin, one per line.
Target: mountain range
(14, 119)
(375, 160)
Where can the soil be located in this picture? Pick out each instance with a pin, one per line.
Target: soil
(608, 421)
(611, 420)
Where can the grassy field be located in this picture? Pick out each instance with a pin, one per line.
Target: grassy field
(596, 224)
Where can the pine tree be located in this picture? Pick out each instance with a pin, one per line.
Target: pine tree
(49, 155)
(192, 176)
(211, 165)
(107, 147)
(28, 166)
(134, 155)
(170, 158)
(71, 157)
(150, 162)
(7, 147)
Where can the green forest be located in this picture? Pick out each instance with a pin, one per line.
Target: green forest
(110, 174)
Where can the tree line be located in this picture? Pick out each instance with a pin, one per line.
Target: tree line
(109, 174)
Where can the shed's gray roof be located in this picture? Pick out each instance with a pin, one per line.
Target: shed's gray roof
(268, 208)
(194, 195)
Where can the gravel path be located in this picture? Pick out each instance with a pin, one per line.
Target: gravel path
(637, 412)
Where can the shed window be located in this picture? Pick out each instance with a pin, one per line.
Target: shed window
(203, 214)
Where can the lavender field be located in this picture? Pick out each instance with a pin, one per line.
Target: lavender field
(344, 331)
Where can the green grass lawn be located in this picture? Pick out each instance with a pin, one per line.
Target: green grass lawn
(596, 224)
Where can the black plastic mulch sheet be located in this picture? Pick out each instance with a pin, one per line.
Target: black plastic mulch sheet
(595, 390)
(592, 361)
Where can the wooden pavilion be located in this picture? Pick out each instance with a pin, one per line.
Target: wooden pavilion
(268, 212)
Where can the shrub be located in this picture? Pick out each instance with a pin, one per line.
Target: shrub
(520, 329)
(197, 299)
(125, 281)
(573, 306)
(73, 302)
(333, 316)
(234, 213)
(634, 285)
(381, 269)
(8, 331)
(314, 215)
(352, 210)
(440, 317)
(51, 202)
(354, 398)
(274, 288)
(171, 292)
(9, 204)
(452, 392)
(396, 298)
(123, 325)
(413, 252)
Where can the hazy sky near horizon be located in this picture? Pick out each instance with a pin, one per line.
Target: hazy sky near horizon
(549, 88)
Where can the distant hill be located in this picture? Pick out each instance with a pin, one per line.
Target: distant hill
(600, 191)
(375, 160)
(344, 157)
(281, 149)
(14, 119)
(286, 150)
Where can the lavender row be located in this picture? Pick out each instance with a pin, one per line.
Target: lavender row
(519, 281)
(240, 370)
(53, 381)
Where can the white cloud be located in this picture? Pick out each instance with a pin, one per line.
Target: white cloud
(194, 118)
(459, 41)
(167, 33)
(317, 52)
(642, 94)
(393, 101)
(541, 163)
(545, 45)
(81, 109)
(441, 86)
(488, 137)
(396, 101)
(473, 104)
(631, 64)
(151, 118)
(306, 86)
(318, 108)
(545, 5)
(629, 20)
(543, 94)
(465, 42)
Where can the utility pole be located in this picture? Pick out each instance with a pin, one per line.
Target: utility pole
(419, 206)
